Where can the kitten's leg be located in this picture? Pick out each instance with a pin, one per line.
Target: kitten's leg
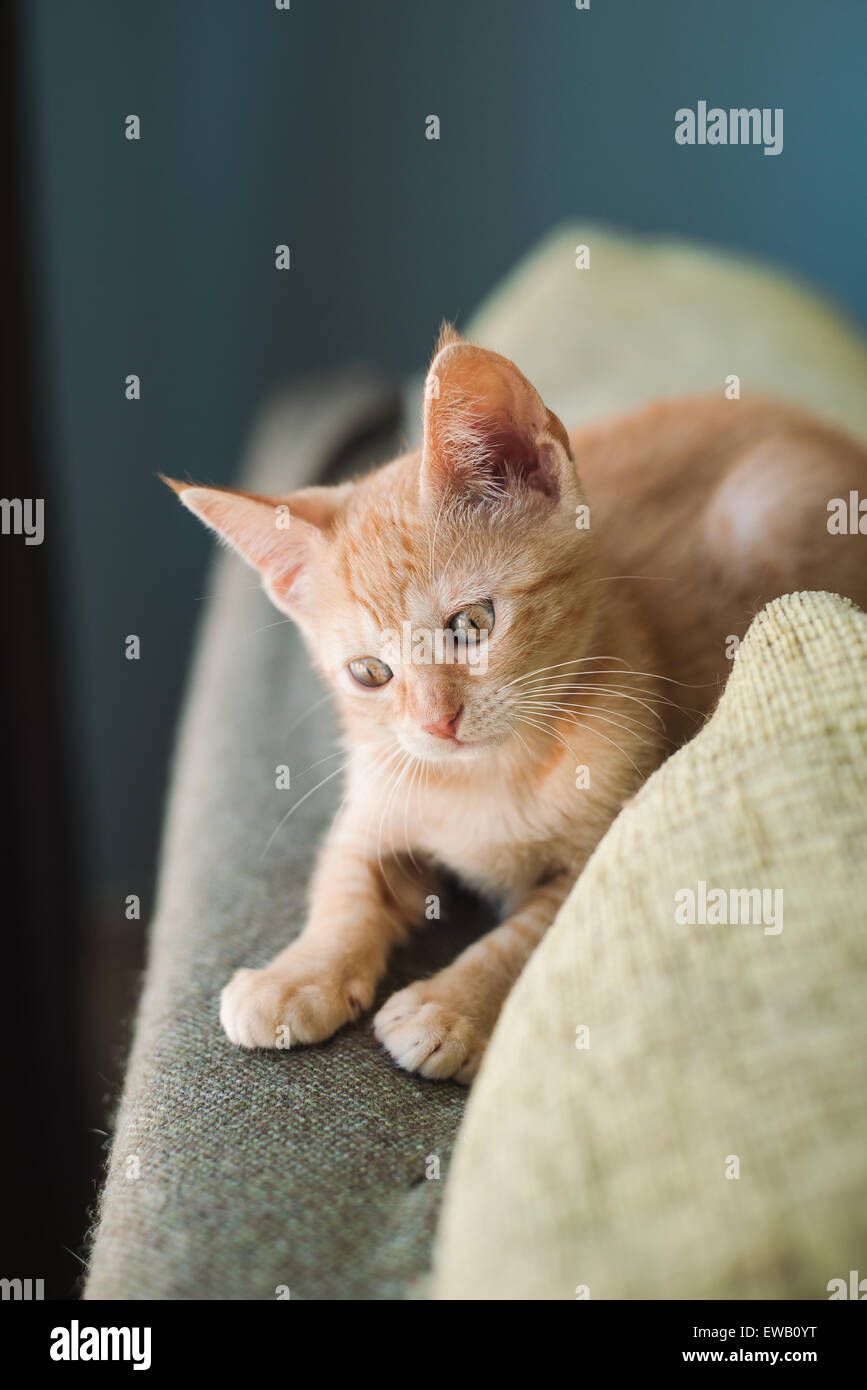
(328, 976)
(441, 1026)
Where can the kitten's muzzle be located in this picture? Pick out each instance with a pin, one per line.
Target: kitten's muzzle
(446, 726)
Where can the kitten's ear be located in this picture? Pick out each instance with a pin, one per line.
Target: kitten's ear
(279, 536)
(487, 430)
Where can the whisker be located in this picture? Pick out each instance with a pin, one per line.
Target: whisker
(617, 671)
(670, 578)
(449, 560)
(525, 743)
(597, 733)
(573, 661)
(294, 808)
(279, 623)
(416, 765)
(591, 713)
(562, 682)
(617, 692)
(614, 692)
(378, 761)
(327, 758)
(423, 779)
(550, 733)
(395, 782)
(300, 720)
(388, 764)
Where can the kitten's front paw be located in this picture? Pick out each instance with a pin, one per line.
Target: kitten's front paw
(300, 1001)
(425, 1032)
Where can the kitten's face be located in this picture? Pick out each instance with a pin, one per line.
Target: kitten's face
(433, 591)
(404, 578)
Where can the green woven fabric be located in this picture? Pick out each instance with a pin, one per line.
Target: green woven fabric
(605, 1166)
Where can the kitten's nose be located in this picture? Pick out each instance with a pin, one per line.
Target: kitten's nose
(446, 726)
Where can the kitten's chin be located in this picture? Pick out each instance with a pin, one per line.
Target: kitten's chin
(444, 751)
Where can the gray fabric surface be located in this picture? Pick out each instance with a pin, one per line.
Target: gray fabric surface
(233, 1173)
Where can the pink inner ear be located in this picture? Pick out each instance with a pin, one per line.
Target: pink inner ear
(485, 427)
(485, 452)
(249, 523)
(283, 576)
(507, 455)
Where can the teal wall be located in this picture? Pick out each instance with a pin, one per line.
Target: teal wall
(307, 126)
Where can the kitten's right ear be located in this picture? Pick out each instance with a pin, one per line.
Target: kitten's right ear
(487, 431)
(280, 537)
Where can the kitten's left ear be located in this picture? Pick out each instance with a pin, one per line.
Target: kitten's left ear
(487, 430)
(281, 537)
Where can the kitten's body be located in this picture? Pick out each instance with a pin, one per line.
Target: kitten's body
(608, 647)
(724, 505)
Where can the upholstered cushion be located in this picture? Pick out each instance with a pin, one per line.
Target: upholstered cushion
(657, 316)
(705, 1137)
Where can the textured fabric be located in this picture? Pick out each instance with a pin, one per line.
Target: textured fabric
(606, 1165)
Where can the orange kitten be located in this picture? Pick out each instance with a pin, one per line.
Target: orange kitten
(593, 650)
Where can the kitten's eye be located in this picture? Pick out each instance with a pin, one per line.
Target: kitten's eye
(476, 617)
(370, 671)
